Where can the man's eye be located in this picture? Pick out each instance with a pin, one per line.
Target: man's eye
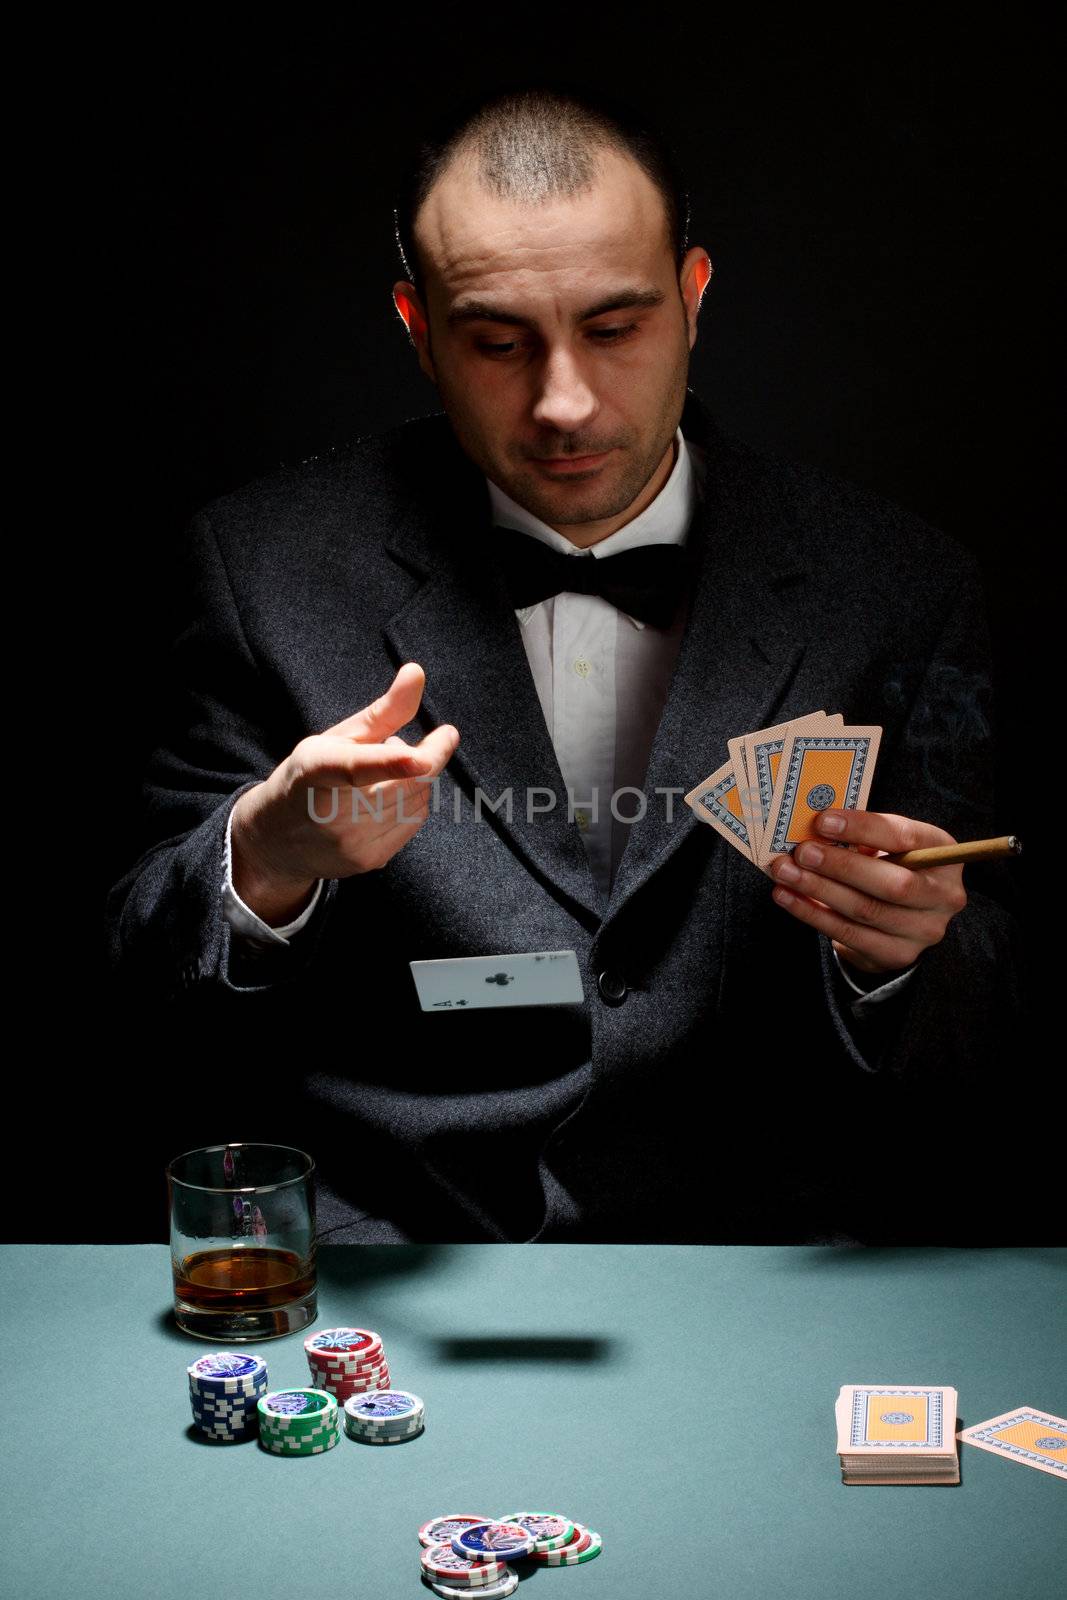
(607, 334)
(602, 335)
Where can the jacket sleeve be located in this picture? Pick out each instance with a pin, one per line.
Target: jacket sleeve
(961, 1009)
(218, 735)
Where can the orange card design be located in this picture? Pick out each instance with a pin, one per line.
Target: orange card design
(897, 1434)
(817, 771)
(718, 800)
(757, 758)
(1034, 1438)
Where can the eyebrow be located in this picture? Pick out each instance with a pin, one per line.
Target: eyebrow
(485, 311)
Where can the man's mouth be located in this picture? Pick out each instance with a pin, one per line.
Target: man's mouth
(564, 465)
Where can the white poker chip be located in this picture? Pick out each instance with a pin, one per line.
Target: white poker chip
(489, 1591)
(439, 1530)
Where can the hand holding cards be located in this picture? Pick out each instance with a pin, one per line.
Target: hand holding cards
(793, 800)
(768, 796)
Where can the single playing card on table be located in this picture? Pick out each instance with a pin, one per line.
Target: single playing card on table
(1034, 1438)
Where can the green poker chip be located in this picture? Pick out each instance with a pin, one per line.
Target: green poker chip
(318, 1447)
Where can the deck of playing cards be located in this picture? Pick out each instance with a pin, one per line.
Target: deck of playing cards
(894, 1433)
(766, 798)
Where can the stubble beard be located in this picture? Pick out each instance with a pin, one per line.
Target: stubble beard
(591, 502)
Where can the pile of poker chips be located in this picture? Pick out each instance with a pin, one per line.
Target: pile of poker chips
(468, 1555)
(225, 1389)
(346, 1361)
(388, 1416)
(298, 1422)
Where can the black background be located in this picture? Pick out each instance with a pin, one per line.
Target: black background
(214, 298)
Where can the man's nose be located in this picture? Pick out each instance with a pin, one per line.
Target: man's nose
(565, 402)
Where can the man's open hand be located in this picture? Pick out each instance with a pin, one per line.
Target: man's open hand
(304, 822)
(880, 916)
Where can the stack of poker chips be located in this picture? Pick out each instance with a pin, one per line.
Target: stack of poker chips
(897, 1433)
(298, 1422)
(387, 1416)
(558, 1541)
(225, 1389)
(468, 1555)
(347, 1361)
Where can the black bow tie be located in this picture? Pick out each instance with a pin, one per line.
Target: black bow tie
(646, 582)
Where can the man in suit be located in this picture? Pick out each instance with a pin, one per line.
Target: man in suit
(738, 1041)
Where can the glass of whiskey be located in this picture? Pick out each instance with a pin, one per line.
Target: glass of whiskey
(242, 1241)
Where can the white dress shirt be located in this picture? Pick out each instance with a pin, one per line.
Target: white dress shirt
(602, 678)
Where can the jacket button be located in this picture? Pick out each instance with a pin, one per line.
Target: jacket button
(612, 986)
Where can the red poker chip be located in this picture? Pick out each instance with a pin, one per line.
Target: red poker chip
(579, 1540)
(333, 1365)
(373, 1382)
(448, 1525)
(366, 1340)
(343, 1393)
(346, 1361)
(351, 1377)
(347, 1366)
(441, 1561)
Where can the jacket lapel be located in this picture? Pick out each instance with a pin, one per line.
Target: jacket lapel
(460, 627)
(738, 655)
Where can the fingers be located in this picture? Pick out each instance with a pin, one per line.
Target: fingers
(923, 924)
(871, 948)
(862, 878)
(327, 758)
(883, 914)
(389, 712)
(881, 830)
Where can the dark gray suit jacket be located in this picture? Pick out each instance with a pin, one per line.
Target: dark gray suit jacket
(732, 1094)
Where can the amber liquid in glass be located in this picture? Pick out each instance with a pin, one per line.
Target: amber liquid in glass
(243, 1279)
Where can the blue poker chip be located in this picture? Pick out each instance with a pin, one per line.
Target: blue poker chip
(506, 1541)
(221, 1430)
(229, 1385)
(229, 1371)
(228, 1364)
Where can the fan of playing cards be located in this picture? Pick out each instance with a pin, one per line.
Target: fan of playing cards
(766, 797)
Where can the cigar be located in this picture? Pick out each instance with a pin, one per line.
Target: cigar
(947, 855)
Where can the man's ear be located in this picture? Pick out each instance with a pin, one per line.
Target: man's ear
(693, 279)
(413, 314)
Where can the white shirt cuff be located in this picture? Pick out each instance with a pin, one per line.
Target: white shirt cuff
(883, 991)
(243, 919)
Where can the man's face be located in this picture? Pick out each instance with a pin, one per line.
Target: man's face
(536, 362)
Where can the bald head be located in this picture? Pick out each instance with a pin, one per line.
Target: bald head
(555, 319)
(535, 145)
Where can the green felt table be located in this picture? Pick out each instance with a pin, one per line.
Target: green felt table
(679, 1400)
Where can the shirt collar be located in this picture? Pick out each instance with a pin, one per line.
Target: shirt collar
(665, 520)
